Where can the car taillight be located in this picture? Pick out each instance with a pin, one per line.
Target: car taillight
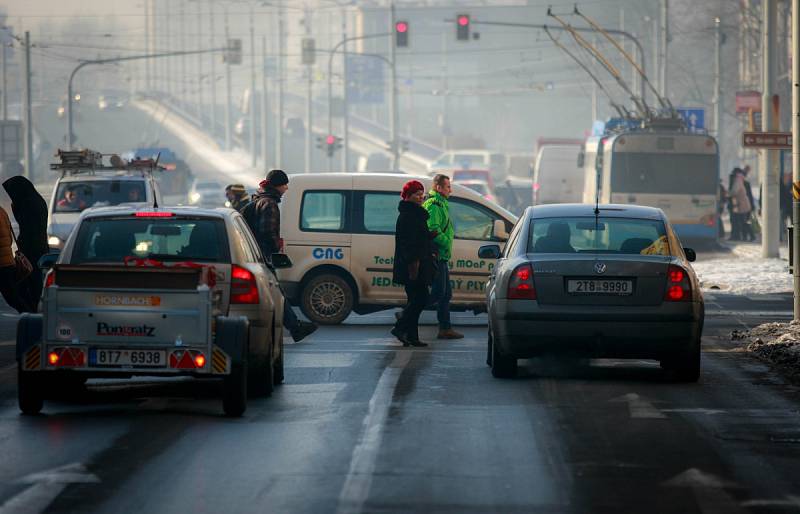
(520, 285)
(679, 289)
(243, 286)
(50, 278)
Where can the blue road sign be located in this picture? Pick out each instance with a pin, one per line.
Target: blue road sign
(365, 83)
(695, 118)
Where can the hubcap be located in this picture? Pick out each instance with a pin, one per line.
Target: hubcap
(327, 299)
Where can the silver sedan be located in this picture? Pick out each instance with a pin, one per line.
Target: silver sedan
(611, 282)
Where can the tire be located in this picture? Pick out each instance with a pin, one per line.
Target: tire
(489, 348)
(234, 395)
(259, 375)
(327, 299)
(277, 373)
(29, 392)
(502, 366)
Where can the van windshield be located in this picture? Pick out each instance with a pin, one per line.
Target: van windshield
(77, 196)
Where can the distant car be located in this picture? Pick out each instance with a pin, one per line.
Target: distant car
(514, 193)
(479, 186)
(111, 102)
(294, 127)
(557, 178)
(470, 159)
(207, 193)
(611, 284)
(520, 164)
(465, 175)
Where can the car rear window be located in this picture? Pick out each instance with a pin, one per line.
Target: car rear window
(77, 196)
(168, 239)
(602, 235)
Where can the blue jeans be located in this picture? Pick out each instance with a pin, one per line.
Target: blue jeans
(441, 293)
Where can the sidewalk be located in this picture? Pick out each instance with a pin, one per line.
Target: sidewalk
(744, 271)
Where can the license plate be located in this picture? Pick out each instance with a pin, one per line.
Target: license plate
(593, 286)
(136, 358)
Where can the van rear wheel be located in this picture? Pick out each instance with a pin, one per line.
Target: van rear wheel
(327, 299)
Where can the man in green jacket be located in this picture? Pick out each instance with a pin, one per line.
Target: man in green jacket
(439, 222)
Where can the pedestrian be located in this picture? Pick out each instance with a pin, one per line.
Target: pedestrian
(722, 199)
(30, 212)
(264, 218)
(747, 223)
(413, 261)
(8, 268)
(740, 204)
(439, 221)
(237, 196)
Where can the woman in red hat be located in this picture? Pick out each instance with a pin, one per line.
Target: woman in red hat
(413, 261)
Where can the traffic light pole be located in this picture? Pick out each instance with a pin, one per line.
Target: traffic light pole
(393, 97)
(795, 242)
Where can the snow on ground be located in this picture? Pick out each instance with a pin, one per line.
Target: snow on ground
(776, 343)
(744, 271)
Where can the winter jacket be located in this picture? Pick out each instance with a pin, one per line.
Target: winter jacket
(412, 242)
(264, 218)
(30, 211)
(240, 203)
(6, 239)
(439, 222)
(740, 201)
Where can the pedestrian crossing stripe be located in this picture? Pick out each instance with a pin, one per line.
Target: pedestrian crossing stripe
(796, 190)
(33, 358)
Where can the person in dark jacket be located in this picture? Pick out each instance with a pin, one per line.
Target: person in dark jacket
(264, 218)
(413, 261)
(30, 212)
(237, 196)
(8, 269)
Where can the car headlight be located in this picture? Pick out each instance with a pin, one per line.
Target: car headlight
(54, 241)
(194, 197)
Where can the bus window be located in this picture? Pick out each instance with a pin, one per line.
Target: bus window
(664, 174)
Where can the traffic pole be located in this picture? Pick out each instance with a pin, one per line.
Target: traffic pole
(228, 134)
(309, 102)
(393, 96)
(717, 79)
(28, 113)
(253, 147)
(769, 179)
(279, 114)
(265, 111)
(345, 101)
(796, 155)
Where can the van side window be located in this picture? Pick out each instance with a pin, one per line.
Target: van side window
(380, 212)
(323, 211)
(470, 221)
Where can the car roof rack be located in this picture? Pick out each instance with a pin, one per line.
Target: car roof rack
(75, 162)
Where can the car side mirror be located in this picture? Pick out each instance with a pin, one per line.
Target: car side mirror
(489, 252)
(500, 231)
(281, 261)
(47, 260)
(691, 256)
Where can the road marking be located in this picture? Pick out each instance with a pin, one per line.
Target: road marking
(362, 463)
(790, 501)
(639, 408)
(8, 343)
(707, 412)
(45, 487)
(709, 491)
(755, 314)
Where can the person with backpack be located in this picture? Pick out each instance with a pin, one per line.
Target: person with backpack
(264, 218)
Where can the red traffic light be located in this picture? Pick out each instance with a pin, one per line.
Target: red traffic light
(330, 140)
(401, 27)
(463, 20)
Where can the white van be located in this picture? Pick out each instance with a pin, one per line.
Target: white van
(557, 178)
(338, 229)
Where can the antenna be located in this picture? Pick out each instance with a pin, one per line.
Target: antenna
(620, 110)
(613, 71)
(664, 104)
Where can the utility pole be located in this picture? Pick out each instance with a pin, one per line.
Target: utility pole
(213, 77)
(795, 242)
(264, 106)
(345, 100)
(393, 98)
(183, 77)
(147, 50)
(664, 47)
(279, 114)
(4, 78)
(717, 79)
(28, 115)
(199, 38)
(253, 149)
(168, 46)
(769, 174)
(228, 135)
(445, 88)
(309, 104)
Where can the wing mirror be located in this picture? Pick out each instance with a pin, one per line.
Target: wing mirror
(691, 256)
(489, 252)
(500, 231)
(281, 261)
(47, 260)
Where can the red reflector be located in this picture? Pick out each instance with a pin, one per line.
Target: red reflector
(154, 214)
(50, 279)
(199, 360)
(675, 293)
(676, 275)
(52, 358)
(66, 357)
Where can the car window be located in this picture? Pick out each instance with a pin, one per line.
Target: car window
(251, 250)
(111, 240)
(512, 239)
(323, 211)
(77, 196)
(601, 235)
(470, 221)
(380, 212)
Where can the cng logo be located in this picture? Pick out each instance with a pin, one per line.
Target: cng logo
(328, 253)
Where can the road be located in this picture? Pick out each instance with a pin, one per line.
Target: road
(364, 425)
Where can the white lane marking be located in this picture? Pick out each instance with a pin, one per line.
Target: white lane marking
(8, 368)
(709, 491)
(362, 463)
(639, 408)
(755, 314)
(45, 487)
(8, 343)
(789, 501)
(321, 360)
(707, 412)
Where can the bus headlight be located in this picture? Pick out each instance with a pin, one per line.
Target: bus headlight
(54, 241)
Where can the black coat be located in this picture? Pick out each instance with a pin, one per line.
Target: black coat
(30, 211)
(412, 241)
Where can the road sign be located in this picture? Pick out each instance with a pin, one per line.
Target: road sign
(748, 101)
(695, 118)
(11, 141)
(365, 83)
(775, 140)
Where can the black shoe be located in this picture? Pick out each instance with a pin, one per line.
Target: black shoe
(417, 343)
(400, 335)
(398, 315)
(303, 330)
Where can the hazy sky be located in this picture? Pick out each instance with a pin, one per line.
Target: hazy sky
(35, 9)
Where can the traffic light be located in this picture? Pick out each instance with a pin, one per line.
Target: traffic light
(401, 33)
(332, 143)
(462, 27)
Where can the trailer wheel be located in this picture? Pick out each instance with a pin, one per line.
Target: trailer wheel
(234, 396)
(29, 392)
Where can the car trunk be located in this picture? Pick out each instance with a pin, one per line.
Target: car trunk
(645, 275)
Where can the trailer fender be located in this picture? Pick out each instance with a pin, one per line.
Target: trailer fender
(29, 334)
(232, 337)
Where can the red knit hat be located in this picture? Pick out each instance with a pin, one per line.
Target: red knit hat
(411, 187)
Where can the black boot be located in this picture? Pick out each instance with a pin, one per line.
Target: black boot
(303, 330)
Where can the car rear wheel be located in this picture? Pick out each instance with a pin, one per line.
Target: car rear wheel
(277, 373)
(29, 392)
(259, 374)
(685, 366)
(234, 395)
(327, 299)
(503, 366)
